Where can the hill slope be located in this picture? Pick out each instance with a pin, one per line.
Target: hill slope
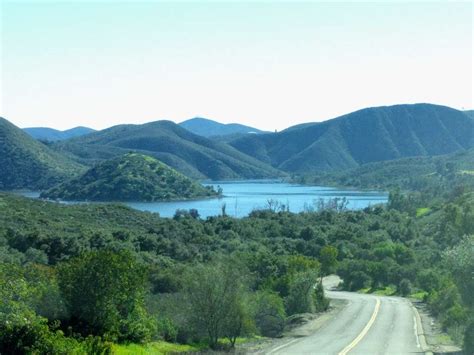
(210, 128)
(369, 135)
(132, 177)
(407, 173)
(28, 164)
(50, 134)
(190, 154)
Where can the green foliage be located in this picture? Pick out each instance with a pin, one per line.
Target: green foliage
(22, 330)
(469, 339)
(365, 136)
(460, 262)
(215, 295)
(104, 292)
(28, 164)
(269, 313)
(192, 155)
(405, 287)
(301, 297)
(426, 177)
(386, 249)
(132, 177)
(328, 259)
(167, 330)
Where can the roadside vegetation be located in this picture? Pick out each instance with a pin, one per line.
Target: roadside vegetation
(105, 278)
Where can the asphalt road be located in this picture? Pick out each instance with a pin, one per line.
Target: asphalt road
(368, 324)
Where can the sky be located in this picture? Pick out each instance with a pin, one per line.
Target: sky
(267, 64)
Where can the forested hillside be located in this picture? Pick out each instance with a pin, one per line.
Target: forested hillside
(190, 154)
(28, 164)
(169, 271)
(422, 174)
(365, 136)
(132, 177)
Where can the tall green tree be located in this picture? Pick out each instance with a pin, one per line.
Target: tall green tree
(105, 293)
(216, 294)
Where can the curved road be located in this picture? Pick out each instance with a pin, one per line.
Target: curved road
(368, 324)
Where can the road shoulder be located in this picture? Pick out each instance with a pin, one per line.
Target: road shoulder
(294, 333)
(436, 341)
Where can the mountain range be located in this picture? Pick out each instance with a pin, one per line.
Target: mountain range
(364, 136)
(208, 128)
(51, 134)
(192, 155)
(370, 135)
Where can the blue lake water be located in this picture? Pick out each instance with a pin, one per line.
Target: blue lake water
(242, 197)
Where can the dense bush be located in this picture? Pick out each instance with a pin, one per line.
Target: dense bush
(104, 293)
(269, 313)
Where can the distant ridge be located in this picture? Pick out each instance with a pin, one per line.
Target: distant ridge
(365, 136)
(190, 154)
(209, 128)
(52, 135)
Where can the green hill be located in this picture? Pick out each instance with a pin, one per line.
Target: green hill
(361, 137)
(415, 173)
(28, 164)
(132, 177)
(193, 155)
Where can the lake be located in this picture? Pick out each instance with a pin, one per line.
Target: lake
(242, 197)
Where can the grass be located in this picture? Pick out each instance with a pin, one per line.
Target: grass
(239, 340)
(163, 347)
(154, 348)
(364, 290)
(385, 291)
(420, 295)
(420, 212)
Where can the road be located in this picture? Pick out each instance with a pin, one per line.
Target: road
(368, 324)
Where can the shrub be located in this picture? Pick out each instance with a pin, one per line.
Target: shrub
(301, 296)
(405, 288)
(321, 303)
(104, 292)
(269, 314)
(167, 330)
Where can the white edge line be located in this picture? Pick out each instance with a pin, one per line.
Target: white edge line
(283, 346)
(420, 334)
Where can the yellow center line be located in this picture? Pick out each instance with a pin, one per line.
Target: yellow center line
(363, 332)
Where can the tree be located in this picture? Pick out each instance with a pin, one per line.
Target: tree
(215, 295)
(105, 292)
(301, 297)
(405, 287)
(328, 260)
(269, 313)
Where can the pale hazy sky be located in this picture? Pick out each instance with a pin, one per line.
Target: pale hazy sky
(266, 64)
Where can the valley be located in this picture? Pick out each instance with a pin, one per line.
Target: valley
(184, 223)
